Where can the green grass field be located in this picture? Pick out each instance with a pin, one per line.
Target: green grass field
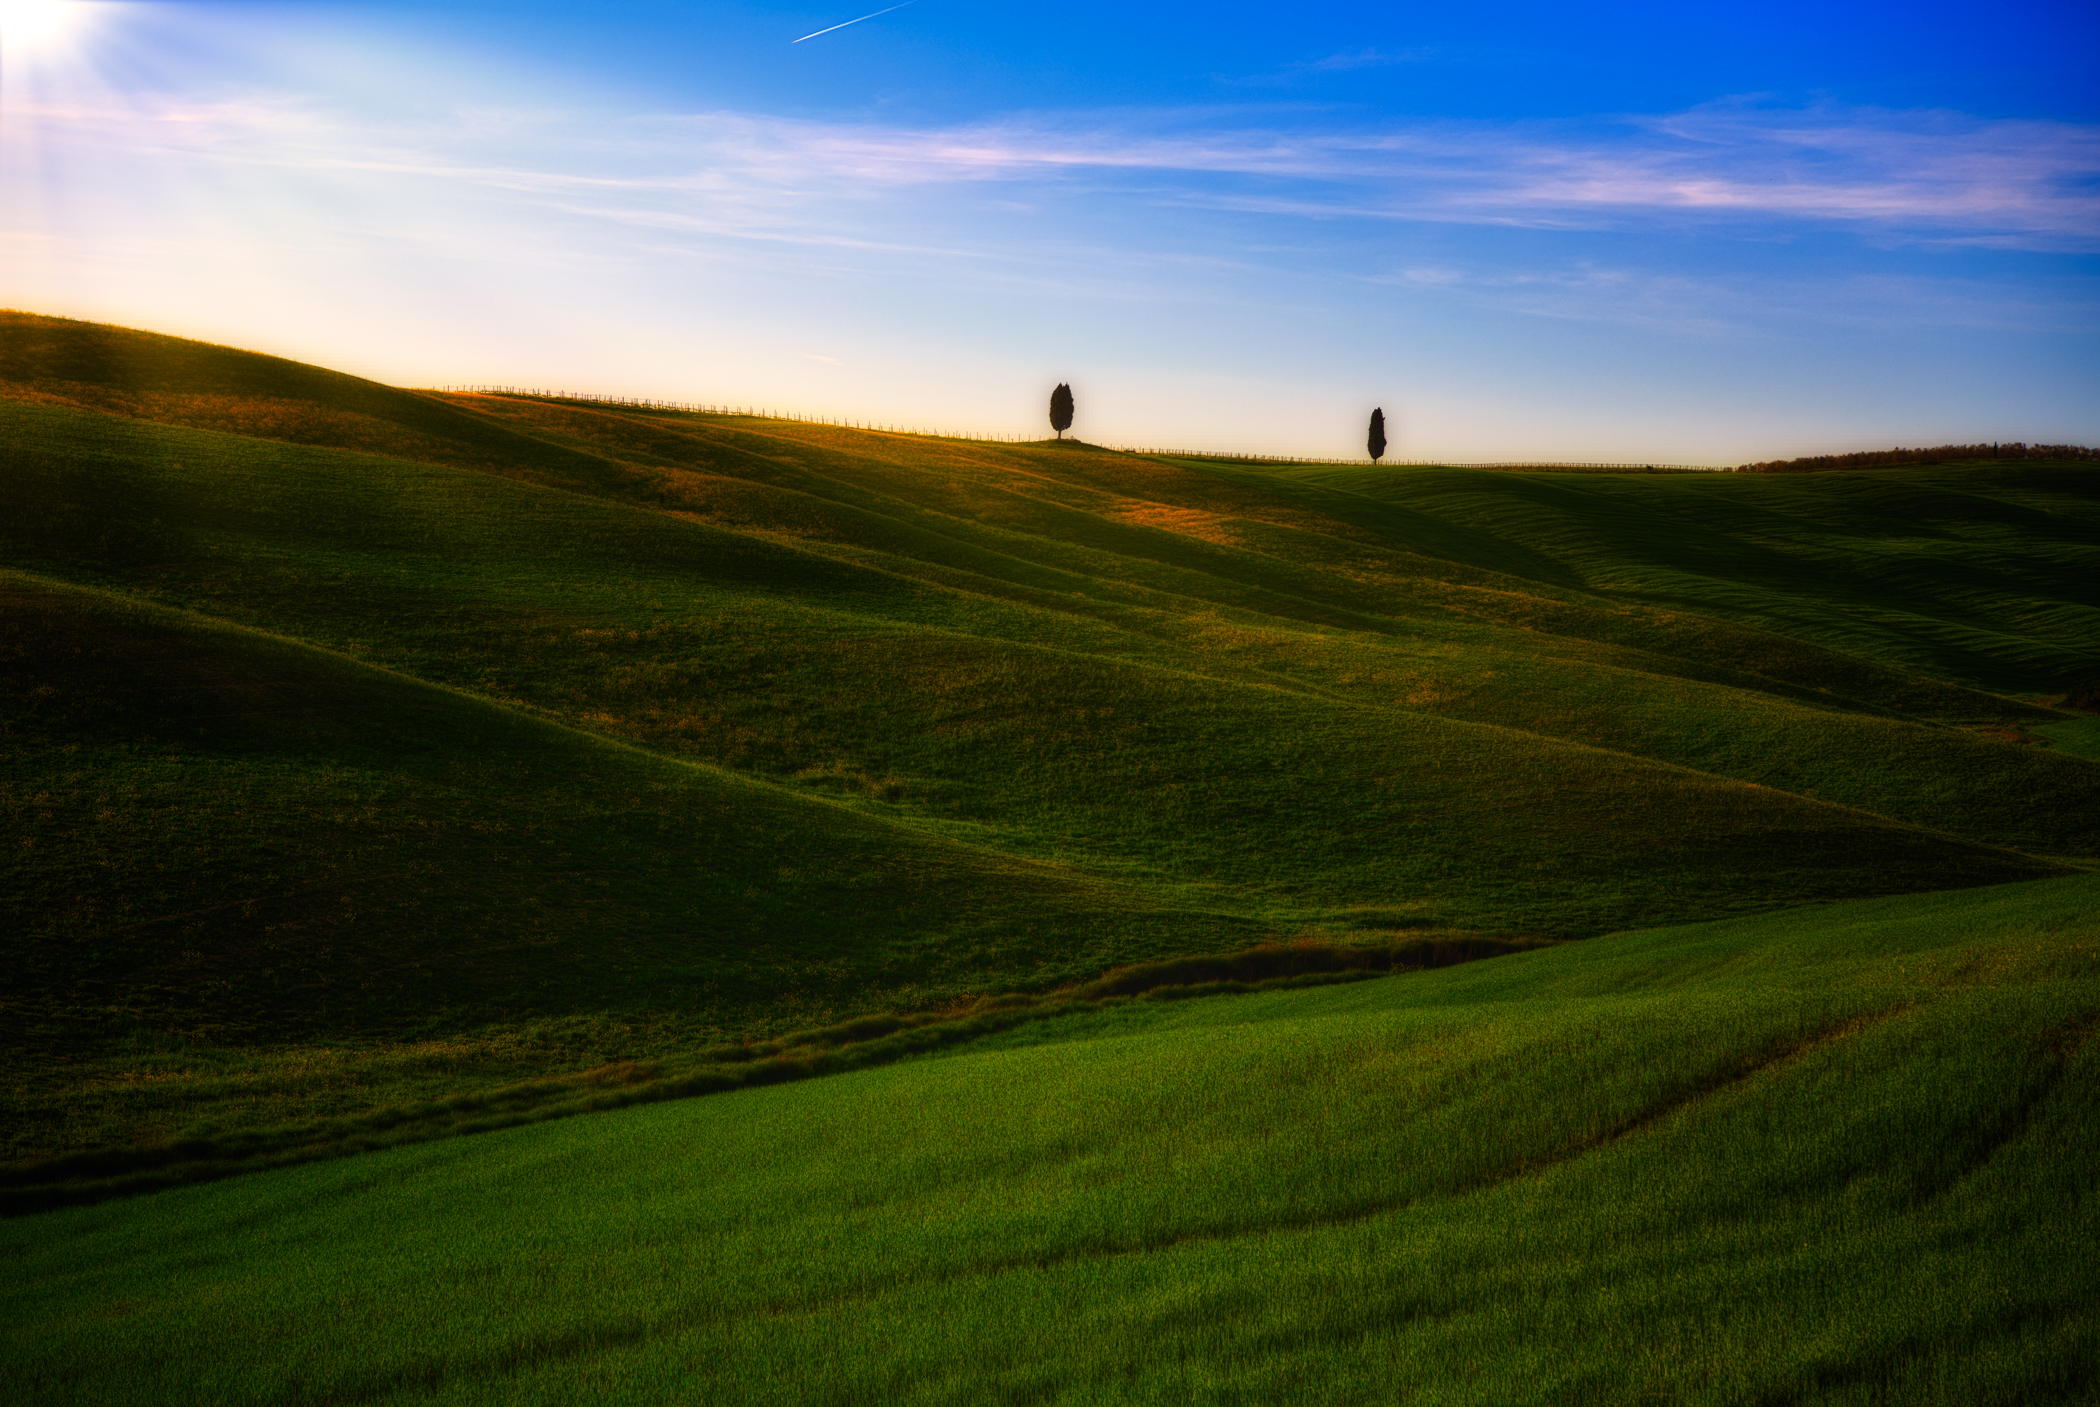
(379, 766)
(1840, 1155)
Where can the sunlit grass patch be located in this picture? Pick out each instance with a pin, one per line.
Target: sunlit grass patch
(1826, 1155)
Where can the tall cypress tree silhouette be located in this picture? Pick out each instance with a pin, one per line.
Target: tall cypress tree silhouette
(1377, 442)
(1061, 409)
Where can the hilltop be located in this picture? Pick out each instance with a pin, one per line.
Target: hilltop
(368, 745)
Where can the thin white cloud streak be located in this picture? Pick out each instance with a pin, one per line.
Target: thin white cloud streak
(1721, 305)
(1923, 171)
(1924, 175)
(1296, 73)
(842, 24)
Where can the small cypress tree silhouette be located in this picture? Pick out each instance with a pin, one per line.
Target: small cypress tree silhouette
(1377, 441)
(1061, 409)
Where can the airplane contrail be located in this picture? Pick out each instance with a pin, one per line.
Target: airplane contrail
(863, 17)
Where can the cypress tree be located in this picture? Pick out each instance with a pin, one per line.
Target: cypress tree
(1061, 409)
(1377, 441)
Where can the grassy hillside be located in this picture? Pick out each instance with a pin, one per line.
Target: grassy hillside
(175, 381)
(1840, 1155)
(361, 745)
(389, 848)
(1978, 573)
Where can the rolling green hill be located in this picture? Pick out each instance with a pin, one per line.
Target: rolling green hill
(388, 848)
(361, 746)
(1978, 573)
(1841, 1155)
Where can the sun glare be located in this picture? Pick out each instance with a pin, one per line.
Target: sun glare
(31, 21)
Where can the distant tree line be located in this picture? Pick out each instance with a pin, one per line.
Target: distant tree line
(1940, 454)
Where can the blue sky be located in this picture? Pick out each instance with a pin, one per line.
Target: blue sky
(1631, 232)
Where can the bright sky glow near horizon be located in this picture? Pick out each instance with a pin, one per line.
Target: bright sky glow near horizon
(1637, 232)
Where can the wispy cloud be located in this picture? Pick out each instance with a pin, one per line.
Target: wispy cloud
(1250, 204)
(1936, 173)
(1344, 62)
(1735, 306)
(1366, 58)
(1923, 175)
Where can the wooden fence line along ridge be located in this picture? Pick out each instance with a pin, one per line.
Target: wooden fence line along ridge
(757, 413)
(710, 408)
